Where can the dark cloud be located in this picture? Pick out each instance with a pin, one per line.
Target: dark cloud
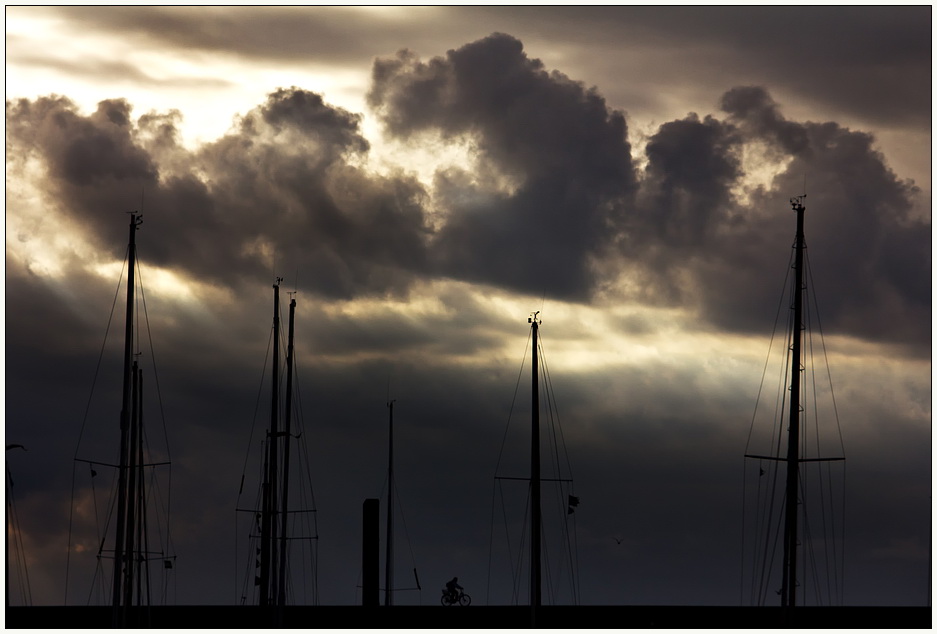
(692, 240)
(563, 152)
(276, 34)
(282, 178)
(81, 150)
(655, 446)
(333, 130)
(685, 232)
(753, 107)
(857, 208)
(888, 83)
(692, 166)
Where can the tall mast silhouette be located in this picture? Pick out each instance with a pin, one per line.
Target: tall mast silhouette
(795, 497)
(280, 519)
(118, 594)
(268, 570)
(789, 570)
(281, 596)
(535, 511)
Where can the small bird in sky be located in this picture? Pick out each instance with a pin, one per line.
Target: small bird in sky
(617, 540)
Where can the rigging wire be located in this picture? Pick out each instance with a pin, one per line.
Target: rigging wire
(833, 557)
(764, 374)
(152, 350)
(84, 418)
(840, 568)
(385, 487)
(806, 471)
(822, 543)
(307, 518)
(248, 576)
(770, 550)
(504, 437)
(103, 536)
(102, 531)
(557, 449)
(498, 484)
(522, 550)
(167, 506)
(559, 441)
(403, 520)
(302, 522)
(513, 402)
(763, 515)
(19, 550)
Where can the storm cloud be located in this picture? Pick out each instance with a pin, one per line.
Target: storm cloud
(656, 252)
(552, 160)
(555, 183)
(280, 185)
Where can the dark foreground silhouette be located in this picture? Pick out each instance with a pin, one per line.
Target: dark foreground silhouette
(474, 617)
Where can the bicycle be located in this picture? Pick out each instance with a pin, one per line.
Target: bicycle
(449, 598)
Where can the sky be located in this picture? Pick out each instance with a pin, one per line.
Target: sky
(423, 179)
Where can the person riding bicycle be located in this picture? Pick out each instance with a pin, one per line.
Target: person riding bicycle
(453, 588)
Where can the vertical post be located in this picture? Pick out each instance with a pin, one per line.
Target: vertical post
(143, 545)
(389, 561)
(6, 538)
(268, 521)
(534, 477)
(6, 535)
(135, 221)
(281, 596)
(132, 486)
(789, 574)
(370, 552)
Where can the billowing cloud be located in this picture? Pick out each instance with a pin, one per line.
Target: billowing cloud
(705, 232)
(858, 209)
(552, 161)
(657, 254)
(553, 186)
(280, 186)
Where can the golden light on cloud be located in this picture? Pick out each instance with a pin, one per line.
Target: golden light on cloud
(163, 284)
(760, 166)
(211, 88)
(577, 338)
(423, 154)
(38, 236)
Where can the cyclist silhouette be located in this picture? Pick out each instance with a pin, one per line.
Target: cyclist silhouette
(453, 586)
(452, 594)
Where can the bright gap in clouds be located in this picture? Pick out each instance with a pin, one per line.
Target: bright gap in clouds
(210, 89)
(47, 244)
(576, 338)
(38, 237)
(157, 282)
(759, 169)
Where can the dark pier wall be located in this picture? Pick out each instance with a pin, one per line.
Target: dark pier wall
(474, 617)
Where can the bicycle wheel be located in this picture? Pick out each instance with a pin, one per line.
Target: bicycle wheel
(445, 599)
(465, 600)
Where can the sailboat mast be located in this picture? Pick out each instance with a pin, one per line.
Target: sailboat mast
(281, 596)
(143, 545)
(389, 563)
(789, 573)
(534, 474)
(132, 485)
(267, 527)
(135, 221)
